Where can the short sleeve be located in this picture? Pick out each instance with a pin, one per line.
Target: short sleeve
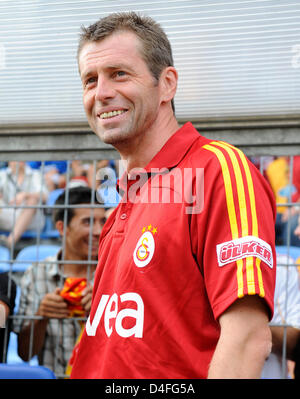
(237, 230)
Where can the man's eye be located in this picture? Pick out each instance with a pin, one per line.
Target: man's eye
(89, 81)
(120, 74)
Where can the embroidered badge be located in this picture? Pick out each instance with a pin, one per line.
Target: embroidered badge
(244, 247)
(145, 247)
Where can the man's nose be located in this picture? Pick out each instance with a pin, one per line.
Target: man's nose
(97, 228)
(104, 89)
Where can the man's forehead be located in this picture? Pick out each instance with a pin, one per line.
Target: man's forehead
(86, 210)
(113, 47)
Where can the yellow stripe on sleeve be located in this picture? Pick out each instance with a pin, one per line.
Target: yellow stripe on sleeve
(250, 274)
(243, 212)
(260, 280)
(240, 187)
(228, 189)
(250, 189)
(230, 209)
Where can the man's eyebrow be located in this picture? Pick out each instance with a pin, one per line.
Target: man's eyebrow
(119, 65)
(86, 74)
(110, 67)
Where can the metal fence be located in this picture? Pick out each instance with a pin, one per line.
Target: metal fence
(47, 236)
(36, 243)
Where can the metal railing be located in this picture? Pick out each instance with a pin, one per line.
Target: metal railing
(38, 238)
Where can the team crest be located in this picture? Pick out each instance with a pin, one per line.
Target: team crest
(145, 247)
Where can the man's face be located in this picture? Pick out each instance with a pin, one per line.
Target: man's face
(121, 97)
(78, 233)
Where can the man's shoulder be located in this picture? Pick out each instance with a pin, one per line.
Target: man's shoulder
(209, 150)
(205, 150)
(44, 269)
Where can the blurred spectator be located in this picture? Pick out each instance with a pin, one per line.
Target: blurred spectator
(79, 174)
(103, 179)
(43, 287)
(54, 173)
(296, 178)
(7, 304)
(91, 173)
(286, 312)
(106, 182)
(83, 173)
(20, 185)
(297, 228)
(285, 190)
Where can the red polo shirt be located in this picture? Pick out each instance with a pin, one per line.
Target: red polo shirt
(193, 233)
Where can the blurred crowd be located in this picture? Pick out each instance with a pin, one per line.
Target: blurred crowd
(26, 186)
(60, 287)
(283, 174)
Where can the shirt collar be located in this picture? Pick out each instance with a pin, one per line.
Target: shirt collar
(170, 154)
(54, 270)
(175, 148)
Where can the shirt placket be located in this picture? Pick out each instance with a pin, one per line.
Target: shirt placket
(128, 200)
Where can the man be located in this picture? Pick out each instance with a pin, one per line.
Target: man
(42, 286)
(286, 313)
(180, 291)
(7, 304)
(20, 186)
(297, 229)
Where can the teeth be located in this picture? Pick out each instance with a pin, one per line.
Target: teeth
(111, 114)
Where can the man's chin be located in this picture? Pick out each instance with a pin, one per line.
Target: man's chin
(93, 256)
(111, 135)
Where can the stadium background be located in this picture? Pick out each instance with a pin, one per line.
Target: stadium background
(239, 77)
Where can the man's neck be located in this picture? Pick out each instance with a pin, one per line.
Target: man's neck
(82, 269)
(144, 150)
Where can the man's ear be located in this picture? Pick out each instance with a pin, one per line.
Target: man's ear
(60, 227)
(168, 83)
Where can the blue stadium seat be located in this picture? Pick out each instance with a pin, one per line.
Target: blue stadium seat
(4, 259)
(12, 352)
(33, 253)
(53, 195)
(12, 349)
(25, 371)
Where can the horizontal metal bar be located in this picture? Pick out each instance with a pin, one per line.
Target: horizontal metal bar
(67, 206)
(255, 136)
(54, 262)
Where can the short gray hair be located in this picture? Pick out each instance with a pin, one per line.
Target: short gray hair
(156, 49)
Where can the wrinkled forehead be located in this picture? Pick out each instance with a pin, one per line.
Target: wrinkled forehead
(115, 47)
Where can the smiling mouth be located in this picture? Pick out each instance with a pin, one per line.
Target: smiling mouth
(112, 114)
(93, 244)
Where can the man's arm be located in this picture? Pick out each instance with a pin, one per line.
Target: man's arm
(292, 337)
(51, 306)
(4, 312)
(245, 340)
